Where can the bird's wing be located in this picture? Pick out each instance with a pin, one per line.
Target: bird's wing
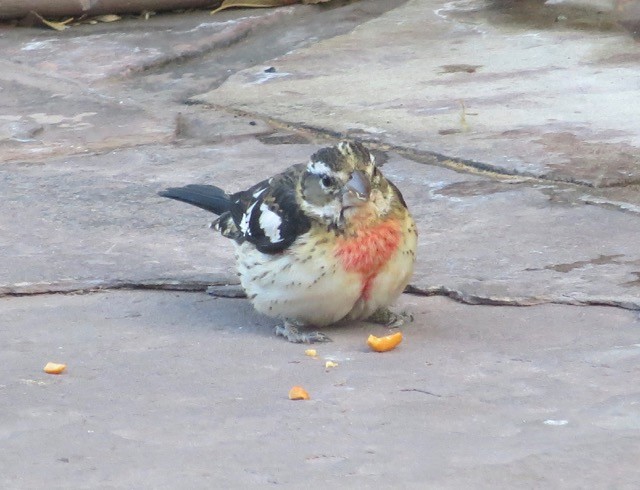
(268, 214)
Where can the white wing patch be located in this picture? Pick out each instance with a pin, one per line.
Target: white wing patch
(257, 194)
(244, 224)
(270, 223)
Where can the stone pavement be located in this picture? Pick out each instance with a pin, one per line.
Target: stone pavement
(511, 129)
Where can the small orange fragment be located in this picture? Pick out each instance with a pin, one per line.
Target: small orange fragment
(383, 344)
(54, 368)
(298, 393)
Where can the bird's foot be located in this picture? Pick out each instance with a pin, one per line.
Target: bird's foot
(385, 316)
(290, 331)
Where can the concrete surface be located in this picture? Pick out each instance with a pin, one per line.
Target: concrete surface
(511, 129)
(167, 390)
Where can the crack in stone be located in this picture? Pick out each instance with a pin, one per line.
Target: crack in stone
(417, 390)
(229, 36)
(469, 166)
(600, 260)
(224, 288)
(610, 204)
(92, 286)
(635, 282)
(626, 302)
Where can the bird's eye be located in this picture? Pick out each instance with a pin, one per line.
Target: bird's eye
(327, 181)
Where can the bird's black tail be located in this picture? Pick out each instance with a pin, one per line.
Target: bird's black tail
(208, 197)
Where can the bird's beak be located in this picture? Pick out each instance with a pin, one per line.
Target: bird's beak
(357, 190)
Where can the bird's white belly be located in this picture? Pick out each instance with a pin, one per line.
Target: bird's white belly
(310, 284)
(293, 286)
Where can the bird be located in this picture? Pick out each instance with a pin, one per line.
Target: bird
(323, 242)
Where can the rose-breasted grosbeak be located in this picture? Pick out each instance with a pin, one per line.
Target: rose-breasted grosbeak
(321, 242)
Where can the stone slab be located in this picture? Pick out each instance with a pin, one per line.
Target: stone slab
(165, 390)
(97, 220)
(90, 53)
(169, 389)
(44, 116)
(93, 88)
(472, 80)
(518, 242)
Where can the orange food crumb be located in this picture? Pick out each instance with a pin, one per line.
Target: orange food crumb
(311, 352)
(383, 344)
(54, 368)
(298, 393)
(330, 364)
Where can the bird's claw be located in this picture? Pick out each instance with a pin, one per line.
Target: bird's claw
(385, 316)
(291, 332)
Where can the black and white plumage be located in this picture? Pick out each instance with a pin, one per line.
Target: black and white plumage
(269, 214)
(265, 215)
(321, 242)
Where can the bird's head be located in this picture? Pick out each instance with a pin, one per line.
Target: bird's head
(341, 186)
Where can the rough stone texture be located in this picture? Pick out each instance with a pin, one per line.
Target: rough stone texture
(97, 219)
(520, 243)
(45, 116)
(176, 389)
(169, 389)
(477, 84)
(10, 9)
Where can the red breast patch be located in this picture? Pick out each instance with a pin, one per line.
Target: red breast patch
(368, 251)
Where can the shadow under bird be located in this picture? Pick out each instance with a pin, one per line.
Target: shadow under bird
(322, 242)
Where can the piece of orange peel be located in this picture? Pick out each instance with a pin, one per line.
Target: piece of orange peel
(298, 393)
(384, 344)
(54, 368)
